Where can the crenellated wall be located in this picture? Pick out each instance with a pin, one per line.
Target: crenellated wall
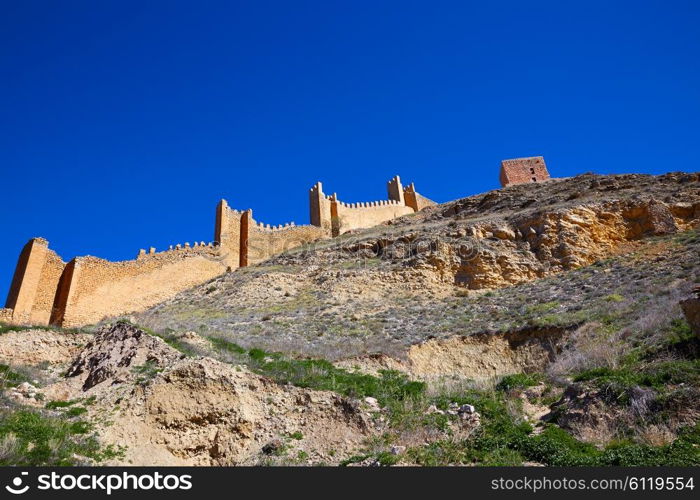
(96, 288)
(262, 241)
(344, 217)
(45, 290)
(352, 216)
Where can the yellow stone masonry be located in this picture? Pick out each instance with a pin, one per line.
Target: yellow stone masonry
(45, 290)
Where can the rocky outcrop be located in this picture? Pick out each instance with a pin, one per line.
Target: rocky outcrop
(115, 351)
(480, 357)
(504, 251)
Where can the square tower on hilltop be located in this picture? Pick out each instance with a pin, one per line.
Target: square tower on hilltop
(523, 170)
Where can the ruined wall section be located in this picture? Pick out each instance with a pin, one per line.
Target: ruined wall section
(63, 294)
(34, 283)
(262, 241)
(46, 291)
(523, 171)
(98, 288)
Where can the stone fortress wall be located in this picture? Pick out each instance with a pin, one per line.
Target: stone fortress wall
(261, 241)
(243, 241)
(342, 217)
(97, 288)
(46, 290)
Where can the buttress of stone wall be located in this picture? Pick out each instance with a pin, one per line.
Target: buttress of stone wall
(319, 207)
(227, 233)
(264, 241)
(97, 288)
(415, 200)
(34, 283)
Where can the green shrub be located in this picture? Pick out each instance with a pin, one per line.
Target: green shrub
(502, 457)
(320, 374)
(442, 453)
(43, 440)
(518, 381)
(656, 375)
(9, 377)
(225, 345)
(614, 297)
(504, 440)
(387, 459)
(53, 405)
(76, 411)
(556, 447)
(146, 372)
(542, 307)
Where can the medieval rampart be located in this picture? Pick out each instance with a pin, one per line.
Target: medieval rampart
(262, 241)
(97, 288)
(341, 217)
(351, 216)
(45, 290)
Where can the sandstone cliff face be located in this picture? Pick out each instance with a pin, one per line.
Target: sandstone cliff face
(512, 250)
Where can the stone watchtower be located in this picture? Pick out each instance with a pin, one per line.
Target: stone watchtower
(523, 170)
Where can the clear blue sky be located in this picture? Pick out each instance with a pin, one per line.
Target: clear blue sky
(123, 123)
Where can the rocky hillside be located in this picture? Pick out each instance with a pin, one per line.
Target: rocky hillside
(537, 324)
(491, 263)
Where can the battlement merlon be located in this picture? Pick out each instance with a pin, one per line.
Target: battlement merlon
(395, 190)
